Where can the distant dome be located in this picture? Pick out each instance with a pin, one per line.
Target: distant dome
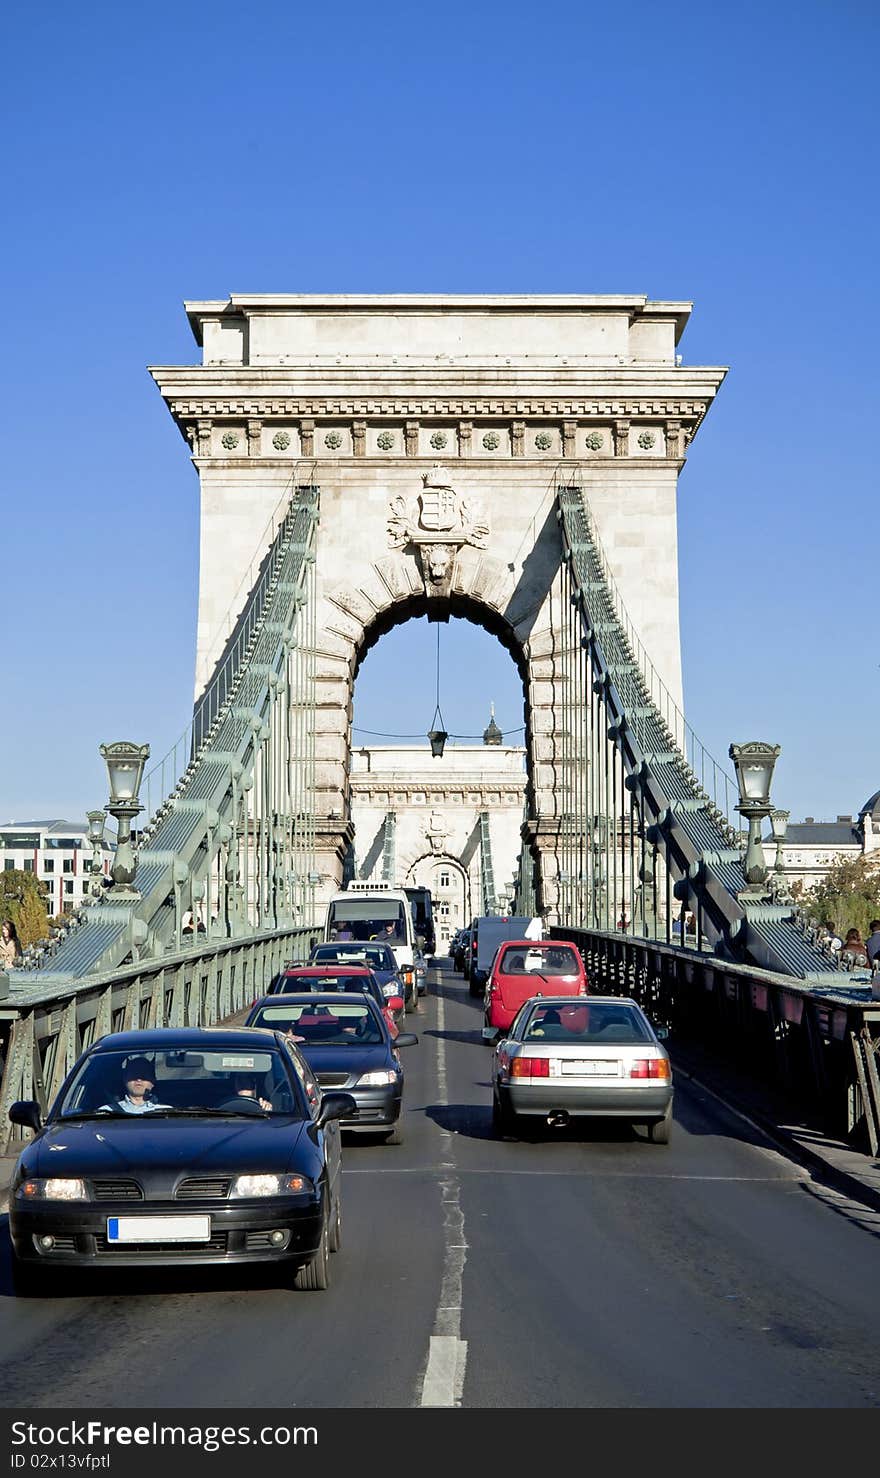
(871, 807)
(492, 734)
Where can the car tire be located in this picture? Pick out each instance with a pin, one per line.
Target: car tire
(659, 1130)
(416, 1003)
(334, 1236)
(503, 1120)
(395, 1135)
(29, 1280)
(474, 988)
(315, 1276)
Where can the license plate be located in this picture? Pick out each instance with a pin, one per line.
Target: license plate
(590, 1068)
(158, 1228)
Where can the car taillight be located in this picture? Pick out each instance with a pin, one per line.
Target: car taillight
(530, 1067)
(473, 944)
(650, 1067)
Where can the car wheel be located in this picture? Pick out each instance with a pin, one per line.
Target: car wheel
(659, 1131)
(474, 989)
(29, 1281)
(315, 1276)
(503, 1119)
(334, 1238)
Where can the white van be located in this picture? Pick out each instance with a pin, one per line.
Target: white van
(488, 932)
(374, 911)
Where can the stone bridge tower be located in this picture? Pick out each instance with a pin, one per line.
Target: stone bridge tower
(436, 428)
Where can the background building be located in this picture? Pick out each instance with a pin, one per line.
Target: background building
(58, 853)
(811, 847)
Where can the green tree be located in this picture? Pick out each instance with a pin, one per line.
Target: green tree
(23, 900)
(849, 895)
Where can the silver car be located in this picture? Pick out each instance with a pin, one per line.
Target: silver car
(570, 1057)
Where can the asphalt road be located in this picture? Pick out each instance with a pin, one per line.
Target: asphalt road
(583, 1269)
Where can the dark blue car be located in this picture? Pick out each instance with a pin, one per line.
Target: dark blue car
(181, 1146)
(347, 1043)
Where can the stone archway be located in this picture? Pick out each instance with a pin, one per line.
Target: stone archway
(526, 616)
(433, 863)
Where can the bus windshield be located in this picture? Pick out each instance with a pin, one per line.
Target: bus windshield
(365, 918)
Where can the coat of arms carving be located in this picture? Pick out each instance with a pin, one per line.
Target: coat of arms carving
(436, 523)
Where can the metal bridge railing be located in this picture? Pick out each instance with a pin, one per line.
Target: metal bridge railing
(820, 1047)
(49, 1031)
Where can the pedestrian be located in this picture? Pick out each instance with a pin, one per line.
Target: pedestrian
(829, 935)
(872, 944)
(853, 951)
(10, 945)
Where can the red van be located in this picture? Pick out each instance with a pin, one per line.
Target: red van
(530, 967)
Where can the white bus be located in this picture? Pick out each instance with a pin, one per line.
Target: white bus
(375, 911)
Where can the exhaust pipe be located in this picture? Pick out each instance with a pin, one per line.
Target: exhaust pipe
(557, 1119)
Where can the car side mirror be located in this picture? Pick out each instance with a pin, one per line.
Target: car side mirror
(491, 1033)
(26, 1112)
(406, 1039)
(337, 1106)
(661, 1032)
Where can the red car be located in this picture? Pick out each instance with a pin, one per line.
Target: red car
(359, 978)
(523, 968)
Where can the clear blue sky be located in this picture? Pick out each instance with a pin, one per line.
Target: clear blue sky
(721, 154)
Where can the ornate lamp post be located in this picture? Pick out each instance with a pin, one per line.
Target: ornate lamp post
(97, 821)
(778, 827)
(754, 763)
(125, 767)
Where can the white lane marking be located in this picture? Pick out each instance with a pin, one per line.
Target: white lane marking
(793, 1178)
(447, 1352)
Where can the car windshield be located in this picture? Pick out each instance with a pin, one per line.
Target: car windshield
(377, 956)
(363, 919)
(344, 1024)
(296, 984)
(586, 1020)
(183, 1080)
(535, 961)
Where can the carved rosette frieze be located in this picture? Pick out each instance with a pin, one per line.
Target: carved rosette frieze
(411, 438)
(519, 438)
(621, 438)
(307, 436)
(436, 525)
(254, 438)
(569, 438)
(465, 432)
(359, 438)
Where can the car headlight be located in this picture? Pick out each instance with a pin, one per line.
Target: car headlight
(53, 1190)
(250, 1186)
(378, 1078)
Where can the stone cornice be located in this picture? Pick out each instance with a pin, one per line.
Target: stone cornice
(196, 404)
(415, 384)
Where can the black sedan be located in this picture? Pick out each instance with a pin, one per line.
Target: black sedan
(346, 1041)
(190, 1146)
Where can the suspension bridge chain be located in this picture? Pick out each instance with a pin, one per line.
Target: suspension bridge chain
(637, 786)
(233, 836)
